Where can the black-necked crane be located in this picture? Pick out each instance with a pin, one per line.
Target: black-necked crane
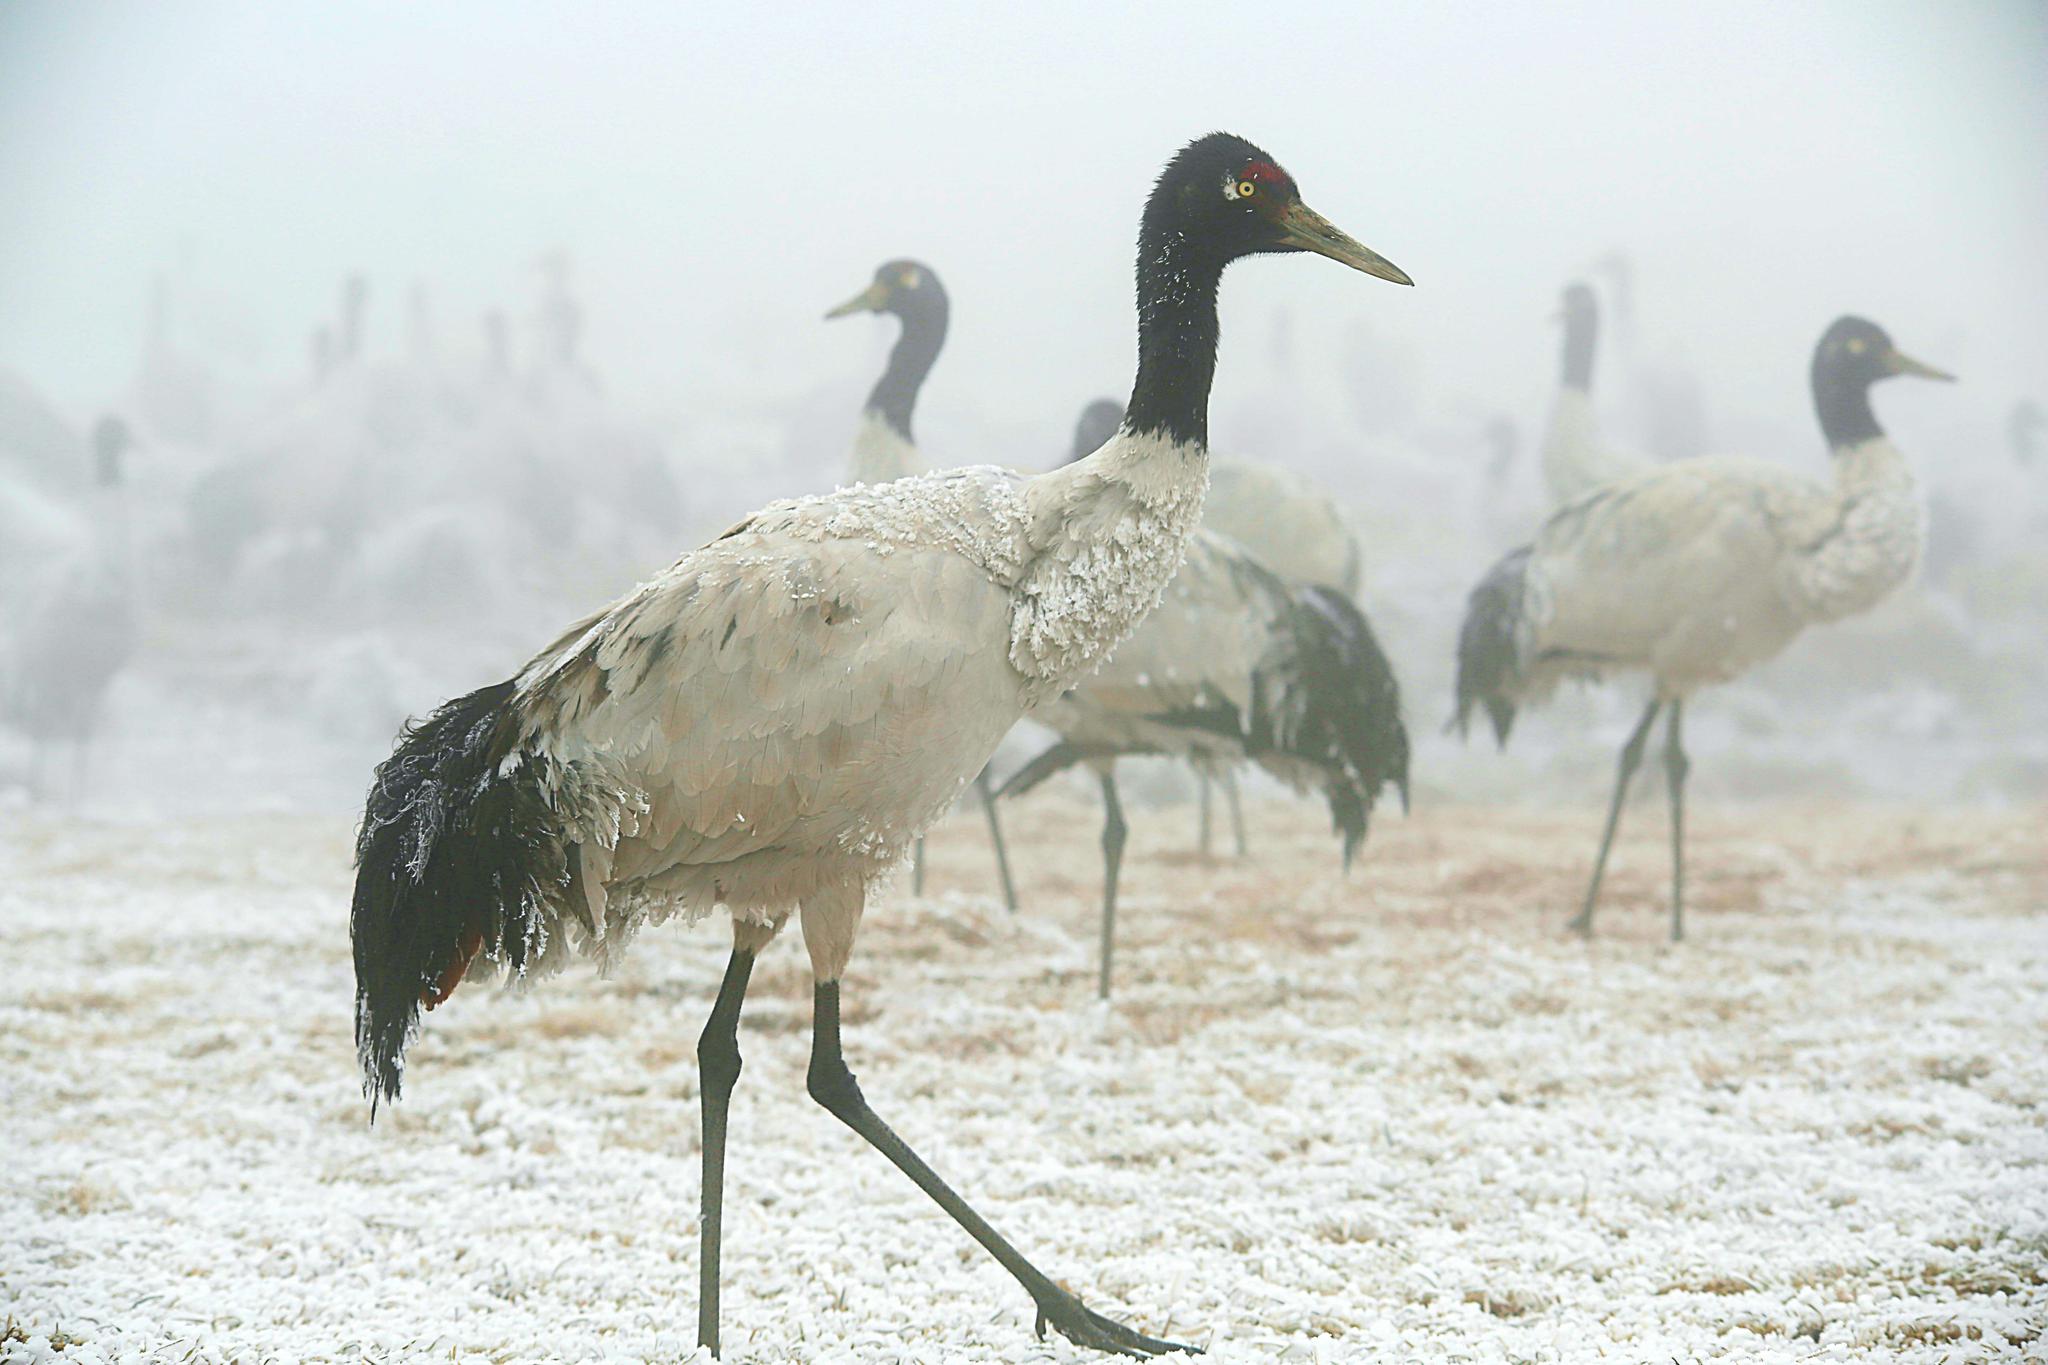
(1694, 572)
(68, 616)
(1576, 457)
(1235, 665)
(767, 724)
(1296, 530)
(884, 447)
(1291, 527)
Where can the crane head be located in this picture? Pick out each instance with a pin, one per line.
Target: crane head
(899, 287)
(1229, 198)
(1858, 352)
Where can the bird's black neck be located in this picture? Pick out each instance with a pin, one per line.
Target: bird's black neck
(1176, 337)
(924, 332)
(1843, 402)
(1581, 331)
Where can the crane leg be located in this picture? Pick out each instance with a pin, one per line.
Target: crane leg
(1202, 809)
(718, 1067)
(1631, 758)
(1676, 767)
(1113, 832)
(1229, 783)
(832, 1085)
(995, 834)
(917, 867)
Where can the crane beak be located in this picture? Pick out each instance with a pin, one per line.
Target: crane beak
(1306, 230)
(1898, 362)
(868, 300)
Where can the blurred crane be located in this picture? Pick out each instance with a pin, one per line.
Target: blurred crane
(1576, 459)
(1698, 571)
(883, 448)
(768, 723)
(1290, 527)
(1235, 665)
(68, 618)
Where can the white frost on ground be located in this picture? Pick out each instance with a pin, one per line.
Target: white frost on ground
(1391, 1118)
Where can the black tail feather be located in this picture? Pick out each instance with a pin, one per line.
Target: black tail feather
(1332, 700)
(457, 855)
(1489, 659)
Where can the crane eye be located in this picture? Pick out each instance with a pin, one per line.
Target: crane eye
(1855, 345)
(1246, 189)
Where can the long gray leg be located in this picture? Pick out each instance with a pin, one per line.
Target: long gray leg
(1676, 767)
(833, 1085)
(1631, 757)
(718, 1067)
(995, 834)
(1202, 799)
(1229, 781)
(1113, 832)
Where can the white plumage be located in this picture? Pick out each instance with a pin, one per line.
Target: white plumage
(1286, 524)
(882, 453)
(1235, 665)
(1293, 527)
(884, 449)
(768, 723)
(828, 676)
(1696, 571)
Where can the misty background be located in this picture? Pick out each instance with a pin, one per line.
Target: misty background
(661, 202)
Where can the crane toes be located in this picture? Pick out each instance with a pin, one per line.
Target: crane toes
(1582, 925)
(1083, 1326)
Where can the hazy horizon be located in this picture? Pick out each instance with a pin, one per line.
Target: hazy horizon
(720, 177)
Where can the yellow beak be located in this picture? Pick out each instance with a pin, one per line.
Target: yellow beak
(868, 300)
(1303, 227)
(1898, 362)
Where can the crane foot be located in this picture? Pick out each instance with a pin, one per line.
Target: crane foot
(1083, 1326)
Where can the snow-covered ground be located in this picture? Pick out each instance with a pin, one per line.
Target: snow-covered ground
(1391, 1117)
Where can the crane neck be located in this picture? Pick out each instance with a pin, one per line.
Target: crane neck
(1581, 334)
(1842, 402)
(894, 397)
(1177, 333)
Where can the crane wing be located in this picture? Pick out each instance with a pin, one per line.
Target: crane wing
(818, 663)
(1683, 549)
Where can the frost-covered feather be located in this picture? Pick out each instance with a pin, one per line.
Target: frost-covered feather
(1693, 572)
(1237, 665)
(779, 713)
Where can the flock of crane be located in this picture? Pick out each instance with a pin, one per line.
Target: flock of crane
(770, 724)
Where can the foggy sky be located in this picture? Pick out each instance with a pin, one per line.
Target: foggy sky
(722, 174)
